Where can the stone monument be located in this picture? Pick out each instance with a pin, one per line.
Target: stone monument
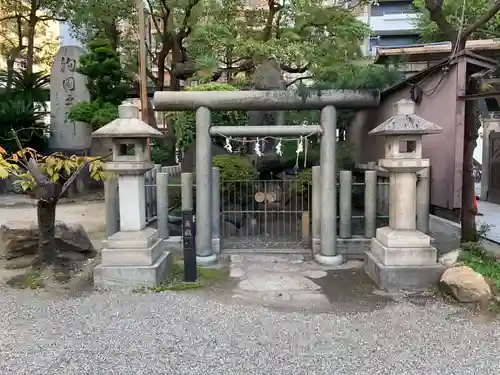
(135, 255)
(68, 87)
(267, 76)
(402, 257)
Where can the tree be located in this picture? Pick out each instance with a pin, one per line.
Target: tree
(303, 36)
(205, 40)
(107, 19)
(475, 21)
(106, 81)
(48, 178)
(452, 12)
(22, 25)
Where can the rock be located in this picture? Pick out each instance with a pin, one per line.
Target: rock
(450, 259)
(20, 239)
(72, 256)
(466, 285)
(21, 262)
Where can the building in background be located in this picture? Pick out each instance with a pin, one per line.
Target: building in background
(393, 24)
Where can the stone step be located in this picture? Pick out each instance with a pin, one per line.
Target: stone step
(306, 253)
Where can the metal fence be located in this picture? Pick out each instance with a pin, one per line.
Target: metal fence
(273, 214)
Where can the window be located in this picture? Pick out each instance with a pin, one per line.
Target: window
(394, 7)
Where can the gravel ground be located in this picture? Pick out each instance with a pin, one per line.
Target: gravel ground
(167, 333)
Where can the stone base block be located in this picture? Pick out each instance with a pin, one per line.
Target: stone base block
(402, 238)
(132, 257)
(402, 277)
(141, 239)
(408, 256)
(134, 276)
(216, 245)
(173, 244)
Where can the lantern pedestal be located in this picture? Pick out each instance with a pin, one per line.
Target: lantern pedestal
(402, 257)
(134, 256)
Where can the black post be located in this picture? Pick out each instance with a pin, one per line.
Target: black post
(189, 245)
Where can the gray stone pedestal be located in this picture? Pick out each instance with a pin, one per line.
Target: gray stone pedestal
(133, 259)
(401, 256)
(402, 259)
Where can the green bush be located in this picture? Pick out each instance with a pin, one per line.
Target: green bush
(159, 153)
(234, 170)
(106, 79)
(345, 161)
(184, 123)
(96, 113)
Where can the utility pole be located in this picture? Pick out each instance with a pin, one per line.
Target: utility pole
(143, 89)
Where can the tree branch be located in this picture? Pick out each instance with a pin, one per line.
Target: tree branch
(153, 18)
(297, 80)
(290, 69)
(487, 15)
(435, 8)
(79, 170)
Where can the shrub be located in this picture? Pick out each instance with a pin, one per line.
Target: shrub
(234, 170)
(345, 161)
(96, 113)
(184, 123)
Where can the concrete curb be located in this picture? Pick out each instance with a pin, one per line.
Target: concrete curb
(489, 244)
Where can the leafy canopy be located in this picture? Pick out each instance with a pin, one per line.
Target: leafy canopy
(452, 11)
(301, 35)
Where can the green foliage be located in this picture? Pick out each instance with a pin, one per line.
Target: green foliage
(22, 84)
(158, 152)
(22, 109)
(452, 10)
(350, 76)
(88, 18)
(303, 182)
(205, 277)
(106, 79)
(477, 258)
(299, 33)
(106, 82)
(184, 123)
(234, 170)
(345, 161)
(96, 113)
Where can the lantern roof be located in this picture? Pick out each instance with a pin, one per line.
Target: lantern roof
(127, 125)
(405, 122)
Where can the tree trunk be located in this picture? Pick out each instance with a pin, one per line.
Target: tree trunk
(33, 20)
(467, 217)
(47, 252)
(10, 72)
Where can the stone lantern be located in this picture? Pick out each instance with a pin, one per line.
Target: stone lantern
(133, 256)
(402, 257)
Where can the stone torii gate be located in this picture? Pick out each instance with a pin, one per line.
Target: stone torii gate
(204, 102)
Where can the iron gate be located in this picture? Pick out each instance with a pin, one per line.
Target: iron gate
(265, 214)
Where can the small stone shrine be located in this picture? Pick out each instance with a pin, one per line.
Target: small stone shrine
(402, 257)
(135, 255)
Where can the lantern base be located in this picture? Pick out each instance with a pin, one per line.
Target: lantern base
(414, 278)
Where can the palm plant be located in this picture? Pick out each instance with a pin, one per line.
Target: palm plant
(33, 86)
(22, 108)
